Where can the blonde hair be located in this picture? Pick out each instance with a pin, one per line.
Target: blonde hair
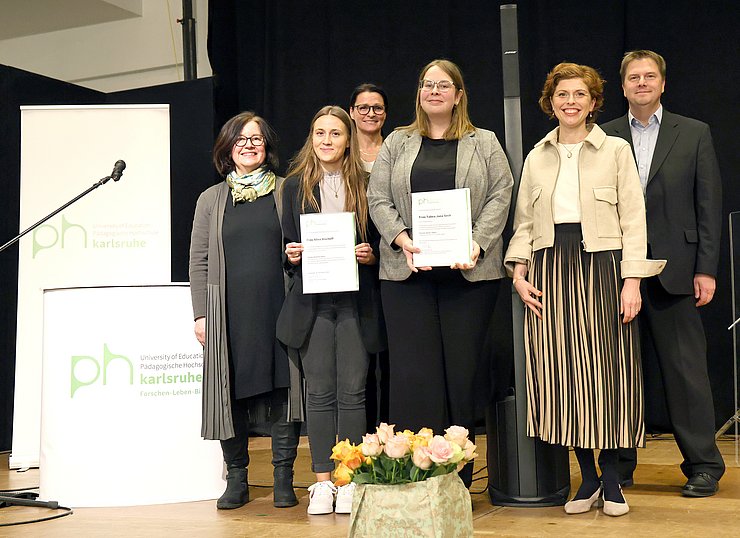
(307, 167)
(460, 124)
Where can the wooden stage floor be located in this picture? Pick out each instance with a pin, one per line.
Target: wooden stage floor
(657, 507)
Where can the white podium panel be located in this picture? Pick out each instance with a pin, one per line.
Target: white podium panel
(121, 399)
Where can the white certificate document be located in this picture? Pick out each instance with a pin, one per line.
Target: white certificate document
(328, 261)
(441, 227)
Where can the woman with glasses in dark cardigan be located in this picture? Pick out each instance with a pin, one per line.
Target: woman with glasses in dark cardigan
(237, 288)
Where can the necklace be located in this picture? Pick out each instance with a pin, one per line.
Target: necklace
(334, 181)
(569, 150)
(371, 153)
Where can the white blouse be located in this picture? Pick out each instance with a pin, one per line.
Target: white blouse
(566, 201)
(331, 189)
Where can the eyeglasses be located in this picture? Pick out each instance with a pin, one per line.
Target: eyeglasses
(255, 140)
(442, 85)
(365, 109)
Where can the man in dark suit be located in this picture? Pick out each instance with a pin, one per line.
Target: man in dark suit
(683, 197)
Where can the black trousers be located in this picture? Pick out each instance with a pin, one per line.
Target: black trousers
(376, 390)
(673, 326)
(437, 323)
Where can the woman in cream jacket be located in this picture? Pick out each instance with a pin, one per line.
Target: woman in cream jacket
(577, 256)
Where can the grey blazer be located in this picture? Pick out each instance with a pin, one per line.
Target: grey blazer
(481, 166)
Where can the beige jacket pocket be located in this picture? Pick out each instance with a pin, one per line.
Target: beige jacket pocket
(605, 210)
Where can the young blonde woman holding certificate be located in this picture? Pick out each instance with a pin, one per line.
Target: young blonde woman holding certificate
(437, 318)
(334, 332)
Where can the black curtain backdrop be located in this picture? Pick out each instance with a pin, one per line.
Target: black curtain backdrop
(191, 172)
(285, 59)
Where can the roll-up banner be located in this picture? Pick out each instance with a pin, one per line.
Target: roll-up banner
(119, 234)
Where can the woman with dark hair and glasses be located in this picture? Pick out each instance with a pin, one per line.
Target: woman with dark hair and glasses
(368, 107)
(437, 319)
(237, 288)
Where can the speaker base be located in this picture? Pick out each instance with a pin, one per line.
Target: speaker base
(499, 498)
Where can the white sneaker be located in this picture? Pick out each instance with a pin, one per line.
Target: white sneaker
(344, 499)
(321, 498)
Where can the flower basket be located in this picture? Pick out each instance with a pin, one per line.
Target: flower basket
(436, 507)
(406, 483)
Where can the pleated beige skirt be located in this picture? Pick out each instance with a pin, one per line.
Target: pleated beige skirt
(584, 377)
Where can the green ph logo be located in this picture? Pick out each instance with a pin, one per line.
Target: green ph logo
(86, 370)
(47, 235)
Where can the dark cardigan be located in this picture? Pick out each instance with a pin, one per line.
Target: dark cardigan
(207, 289)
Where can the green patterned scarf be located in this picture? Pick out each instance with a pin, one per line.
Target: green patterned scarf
(249, 187)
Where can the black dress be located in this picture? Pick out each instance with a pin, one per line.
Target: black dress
(254, 295)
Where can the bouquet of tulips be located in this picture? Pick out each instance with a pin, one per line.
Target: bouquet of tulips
(386, 457)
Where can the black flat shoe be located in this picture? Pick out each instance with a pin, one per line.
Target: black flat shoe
(700, 485)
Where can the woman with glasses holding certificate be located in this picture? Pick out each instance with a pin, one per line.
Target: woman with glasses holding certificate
(437, 318)
(577, 256)
(237, 287)
(368, 107)
(333, 330)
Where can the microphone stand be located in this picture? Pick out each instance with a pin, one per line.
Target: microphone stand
(734, 419)
(115, 176)
(19, 501)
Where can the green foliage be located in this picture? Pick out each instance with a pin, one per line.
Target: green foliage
(386, 470)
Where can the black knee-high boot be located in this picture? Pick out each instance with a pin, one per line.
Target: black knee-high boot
(285, 437)
(236, 457)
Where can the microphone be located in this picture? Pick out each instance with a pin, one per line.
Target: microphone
(118, 169)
